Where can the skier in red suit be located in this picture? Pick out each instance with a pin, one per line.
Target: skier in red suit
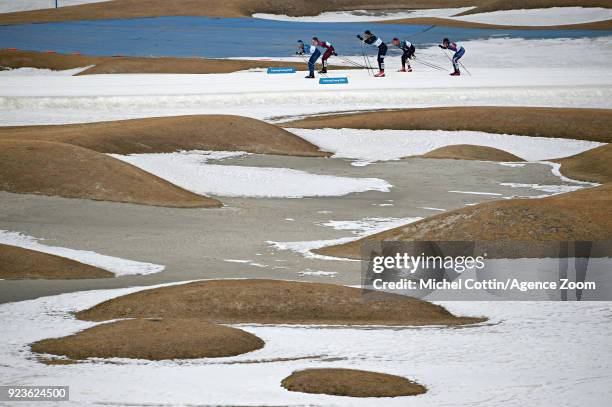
(329, 51)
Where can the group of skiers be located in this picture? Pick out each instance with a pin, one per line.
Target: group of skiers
(408, 53)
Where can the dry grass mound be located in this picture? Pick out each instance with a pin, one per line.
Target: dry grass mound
(274, 302)
(57, 169)
(472, 152)
(245, 8)
(593, 165)
(576, 216)
(182, 65)
(583, 124)
(19, 263)
(124, 65)
(213, 8)
(168, 134)
(352, 383)
(43, 60)
(153, 339)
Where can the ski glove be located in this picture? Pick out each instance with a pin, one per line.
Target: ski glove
(360, 37)
(441, 46)
(334, 54)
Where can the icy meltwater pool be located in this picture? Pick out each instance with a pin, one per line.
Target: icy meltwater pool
(231, 37)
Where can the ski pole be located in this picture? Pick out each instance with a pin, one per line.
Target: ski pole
(451, 60)
(351, 62)
(464, 67)
(447, 57)
(429, 64)
(369, 63)
(306, 62)
(366, 60)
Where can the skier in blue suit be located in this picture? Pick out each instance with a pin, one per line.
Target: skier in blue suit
(458, 50)
(315, 54)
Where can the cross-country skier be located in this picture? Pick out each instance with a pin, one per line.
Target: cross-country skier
(329, 51)
(371, 39)
(458, 50)
(408, 51)
(300, 48)
(315, 54)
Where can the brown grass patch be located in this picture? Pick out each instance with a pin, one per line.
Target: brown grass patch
(41, 60)
(593, 165)
(274, 302)
(168, 134)
(57, 169)
(123, 65)
(352, 383)
(245, 8)
(156, 339)
(213, 8)
(582, 124)
(19, 263)
(471, 152)
(576, 216)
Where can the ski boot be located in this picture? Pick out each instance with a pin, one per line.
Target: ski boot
(405, 70)
(309, 76)
(323, 71)
(380, 74)
(456, 73)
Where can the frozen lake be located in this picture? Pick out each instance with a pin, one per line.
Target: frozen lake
(232, 37)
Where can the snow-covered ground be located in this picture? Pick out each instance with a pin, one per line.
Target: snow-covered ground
(40, 72)
(367, 146)
(366, 15)
(485, 365)
(541, 17)
(530, 353)
(561, 72)
(358, 229)
(9, 6)
(547, 189)
(190, 170)
(532, 17)
(121, 267)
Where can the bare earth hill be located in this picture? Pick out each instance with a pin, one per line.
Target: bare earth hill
(580, 215)
(593, 165)
(471, 152)
(351, 382)
(14, 59)
(168, 134)
(153, 339)
(118, 9)
(58, 169)
(582, 124)
(20, 263)
(274, 302)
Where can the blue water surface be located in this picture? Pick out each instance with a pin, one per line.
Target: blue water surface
(233, 37)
